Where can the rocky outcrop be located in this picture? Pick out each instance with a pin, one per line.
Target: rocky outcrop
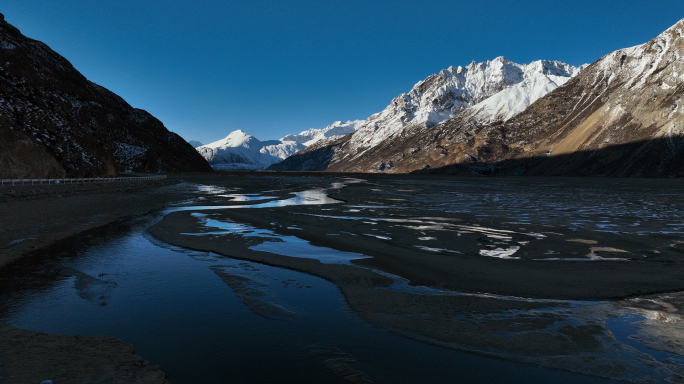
(56, 123)
(621, 116)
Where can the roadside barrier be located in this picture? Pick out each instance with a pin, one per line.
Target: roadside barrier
(13, 182)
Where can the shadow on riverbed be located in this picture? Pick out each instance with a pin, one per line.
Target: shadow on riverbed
(660, 157)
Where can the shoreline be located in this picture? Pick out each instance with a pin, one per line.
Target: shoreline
(36, 217)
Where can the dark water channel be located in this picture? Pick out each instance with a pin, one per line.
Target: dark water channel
(198, 316)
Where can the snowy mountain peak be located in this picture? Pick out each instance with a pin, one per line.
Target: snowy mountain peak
(555, 68)
(237, 134)
(312, 135)
(453, 90)
(641, 62)
(239, 150)
(234, 139)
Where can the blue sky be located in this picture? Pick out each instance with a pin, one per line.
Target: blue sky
(206, 68)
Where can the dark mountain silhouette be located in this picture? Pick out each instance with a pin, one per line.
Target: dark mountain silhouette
(56, 123)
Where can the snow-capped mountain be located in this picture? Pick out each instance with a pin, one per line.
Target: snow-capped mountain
(489, 91)
(445, 95)
(621, 116)
(312, 136)
(539, 78)
(239, 150)
(242, 151)
(195, 143)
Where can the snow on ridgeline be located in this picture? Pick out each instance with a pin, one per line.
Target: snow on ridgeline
(240, 151)
(539, 78)
(498, 90)
(486, 92)
(313, 136)
(490, 91)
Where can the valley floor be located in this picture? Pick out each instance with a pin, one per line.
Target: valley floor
(528, 269)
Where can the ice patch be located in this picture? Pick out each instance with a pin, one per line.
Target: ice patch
(501, 253)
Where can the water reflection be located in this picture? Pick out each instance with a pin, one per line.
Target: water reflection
(250, 322)
(206, 318)
(316, 196)
(283, 245)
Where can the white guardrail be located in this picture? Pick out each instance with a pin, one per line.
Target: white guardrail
(13, 182)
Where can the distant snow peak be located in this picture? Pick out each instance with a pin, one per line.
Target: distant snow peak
(239, 150)
(312, 136)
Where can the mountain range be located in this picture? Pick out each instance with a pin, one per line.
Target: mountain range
(245, 152)
(56, 123)
(499, 88)
(489, 91)
(619, 116)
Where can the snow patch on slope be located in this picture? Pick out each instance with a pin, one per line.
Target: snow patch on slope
(640, 62)
(127, 155)
(540, 78)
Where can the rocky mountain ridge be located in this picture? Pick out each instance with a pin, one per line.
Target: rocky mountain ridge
(56, 123)
(621, 116)
(498, 89)
(446, 95)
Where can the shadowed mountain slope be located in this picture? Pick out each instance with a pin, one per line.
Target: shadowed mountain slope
(56, 123)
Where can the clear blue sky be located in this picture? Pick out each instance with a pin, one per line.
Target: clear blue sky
(270, 68)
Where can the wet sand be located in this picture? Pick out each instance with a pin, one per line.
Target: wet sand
(553, 263)
(32, 357)
(33, 217)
